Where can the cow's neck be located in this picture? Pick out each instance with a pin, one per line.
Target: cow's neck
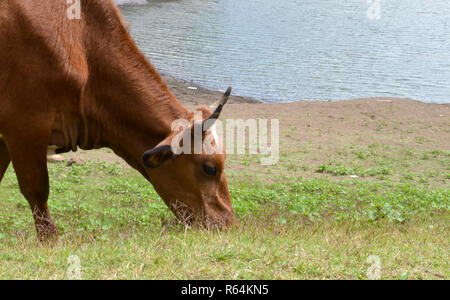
(126, 106)
(136, 110)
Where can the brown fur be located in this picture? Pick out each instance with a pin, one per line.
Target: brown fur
(84, 83)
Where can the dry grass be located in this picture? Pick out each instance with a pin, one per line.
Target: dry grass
(259, 249)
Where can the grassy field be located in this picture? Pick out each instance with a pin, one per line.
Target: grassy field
(304, 218)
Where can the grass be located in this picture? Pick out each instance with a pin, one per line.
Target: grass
(303, 218)
(295, 228)
(254, 251)
(344, 170)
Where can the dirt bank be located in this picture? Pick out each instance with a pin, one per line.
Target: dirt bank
(409, 140)
(190, 94)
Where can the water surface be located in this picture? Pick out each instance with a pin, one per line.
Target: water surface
(289, 50)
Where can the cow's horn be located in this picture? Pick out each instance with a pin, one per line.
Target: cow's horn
(208, 123)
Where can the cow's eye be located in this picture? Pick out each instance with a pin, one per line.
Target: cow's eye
(209, 170)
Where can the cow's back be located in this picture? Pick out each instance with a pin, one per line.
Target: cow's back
(43, 61)
(6, 33)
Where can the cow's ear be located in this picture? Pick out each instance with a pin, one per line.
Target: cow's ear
(155, 157)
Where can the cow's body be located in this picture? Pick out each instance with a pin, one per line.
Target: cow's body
(74, 83)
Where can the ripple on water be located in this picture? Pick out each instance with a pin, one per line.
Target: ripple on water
(300, 50)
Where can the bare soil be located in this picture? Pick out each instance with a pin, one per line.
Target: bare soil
(407, 136)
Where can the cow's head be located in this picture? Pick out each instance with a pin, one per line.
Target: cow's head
(189, 176)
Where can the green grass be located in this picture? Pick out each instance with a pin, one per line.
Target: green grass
(297, 228)
(259, 249)
(344, 170)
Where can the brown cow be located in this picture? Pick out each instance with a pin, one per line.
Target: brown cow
(84, 83)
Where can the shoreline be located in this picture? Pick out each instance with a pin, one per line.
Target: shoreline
(191, 94)
(199, 95)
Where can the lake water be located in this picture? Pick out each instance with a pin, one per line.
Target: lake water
(290, 50)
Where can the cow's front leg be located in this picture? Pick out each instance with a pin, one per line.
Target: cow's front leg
(4, 158)
(29, 157)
